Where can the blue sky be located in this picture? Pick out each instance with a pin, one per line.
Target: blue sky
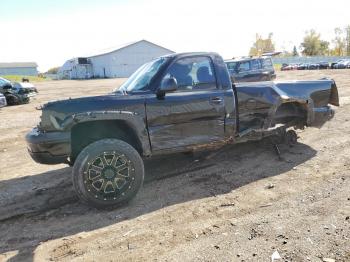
(50, 32)
(34, 8)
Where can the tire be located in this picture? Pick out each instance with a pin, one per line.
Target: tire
(11, 100)
(291, 138)
(108, 173)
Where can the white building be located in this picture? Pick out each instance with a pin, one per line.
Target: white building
(116, 62)
(19, 68)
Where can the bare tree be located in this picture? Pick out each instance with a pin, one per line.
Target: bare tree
(261, 45)
(347, 30)
(339, 42)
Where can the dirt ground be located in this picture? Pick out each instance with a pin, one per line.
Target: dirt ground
(240, 204)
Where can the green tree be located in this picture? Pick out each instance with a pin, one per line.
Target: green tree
(53, 70)
(262, 45)
(312, 44)
(295, 51)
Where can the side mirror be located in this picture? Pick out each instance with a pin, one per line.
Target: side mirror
(167, 85)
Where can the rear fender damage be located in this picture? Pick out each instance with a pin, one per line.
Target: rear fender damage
(313, 103)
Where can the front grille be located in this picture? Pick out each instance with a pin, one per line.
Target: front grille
(26, 91)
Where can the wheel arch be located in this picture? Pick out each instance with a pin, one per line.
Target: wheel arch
(14, 98)
(291, 113)
(86, 132)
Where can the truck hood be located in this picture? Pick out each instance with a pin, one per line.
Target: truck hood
(57, 111)
(24, 88)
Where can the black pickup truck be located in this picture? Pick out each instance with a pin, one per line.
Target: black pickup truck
(176, 103)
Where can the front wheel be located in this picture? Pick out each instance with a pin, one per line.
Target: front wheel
(108, 173)
(11, 99)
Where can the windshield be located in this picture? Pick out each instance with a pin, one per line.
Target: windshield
(142, 76)
(3, 80)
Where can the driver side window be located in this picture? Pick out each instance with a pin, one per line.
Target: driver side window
(193, 73)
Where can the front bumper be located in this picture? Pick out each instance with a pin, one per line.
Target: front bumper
(48, 148)
(23, 98)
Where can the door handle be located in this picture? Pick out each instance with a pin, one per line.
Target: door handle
(216, 100)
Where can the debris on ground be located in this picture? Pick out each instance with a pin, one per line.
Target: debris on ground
(270, 186)
(275, 256)
(325, 259)
(227, 205)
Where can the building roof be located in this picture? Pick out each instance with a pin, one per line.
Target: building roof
(18, 64)
(117, 48)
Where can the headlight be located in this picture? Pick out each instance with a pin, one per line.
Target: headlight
(55, 122)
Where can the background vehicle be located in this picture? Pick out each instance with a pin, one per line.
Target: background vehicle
(313, 66)
(342, 64)
(251, 69)
(303, 66)
(286, 67)
(323, 65)
(177, 103)
(17, 93)
(335, 64)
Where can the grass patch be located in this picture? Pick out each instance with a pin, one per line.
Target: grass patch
(17, 78)
(277, 67)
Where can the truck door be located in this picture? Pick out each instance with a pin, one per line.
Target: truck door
(254, 104)
(192, 115)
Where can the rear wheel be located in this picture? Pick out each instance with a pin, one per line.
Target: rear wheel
(108, 173)
(291, 138)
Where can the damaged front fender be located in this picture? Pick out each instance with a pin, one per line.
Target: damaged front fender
(132, 119)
